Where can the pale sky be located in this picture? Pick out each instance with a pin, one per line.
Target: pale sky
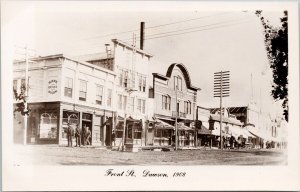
(231, 40)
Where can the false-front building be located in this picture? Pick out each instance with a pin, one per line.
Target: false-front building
(175, 100)
(62, 90)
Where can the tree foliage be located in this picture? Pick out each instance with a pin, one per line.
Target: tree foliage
(20, 106)
(276, 42)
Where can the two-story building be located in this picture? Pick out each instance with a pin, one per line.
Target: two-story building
(175, 99)
(62, 90)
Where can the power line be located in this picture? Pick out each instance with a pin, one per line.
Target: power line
(222, 26)
(211, 28)
(187, 20)
(229, 21)
(156, 26)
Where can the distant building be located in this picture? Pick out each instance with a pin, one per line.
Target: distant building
(176, 84)
(263, 127)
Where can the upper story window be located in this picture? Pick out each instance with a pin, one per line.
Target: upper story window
(187, 107)
(82, 90)
(132, 104)
(68, 86)
(177, 83)
(142, 83)
(166, 102)
(99, 94)
(133, 80)
(124, 79)
(122, 102)
(109, 97)
(141, 105)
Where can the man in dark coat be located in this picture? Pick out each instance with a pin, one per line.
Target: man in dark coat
(77, 136)
(83, 133)
(70, 134)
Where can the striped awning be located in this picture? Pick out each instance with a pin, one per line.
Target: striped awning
(159, 124)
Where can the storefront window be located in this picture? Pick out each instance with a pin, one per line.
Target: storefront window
(48, 126)
(69, 117)
(119, 130)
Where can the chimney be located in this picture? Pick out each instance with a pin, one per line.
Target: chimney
(142, 35)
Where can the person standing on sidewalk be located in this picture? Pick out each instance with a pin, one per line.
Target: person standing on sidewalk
(88, 136)
(83, 133)
(77, 136)
(70, 134)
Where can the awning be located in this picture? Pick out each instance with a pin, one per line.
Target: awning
(204, 131)
(236, 132)
(258, 133)
(159, 124)
(216, 132)
(182, 127)
(129, 119)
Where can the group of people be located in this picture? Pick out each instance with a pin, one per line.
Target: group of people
(82, 136)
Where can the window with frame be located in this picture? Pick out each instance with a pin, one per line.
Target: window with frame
(166, 102)
(133, 80)
(177, 83)
(132, 104)
(144, 84)
(125, 80)
(120, 102)
(99, 94)
(141, 105)
(121, 77)
(137, 132)
(109, 97)
(187, 107)
(140, 83)
(124, 102)
(68, 87)
(82, 90)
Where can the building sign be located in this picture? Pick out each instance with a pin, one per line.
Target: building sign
(52, 86)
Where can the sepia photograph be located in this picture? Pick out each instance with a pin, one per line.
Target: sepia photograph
(149, 92)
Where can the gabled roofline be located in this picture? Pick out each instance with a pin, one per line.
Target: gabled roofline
(185, 74)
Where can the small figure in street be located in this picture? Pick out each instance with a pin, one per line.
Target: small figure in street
(77, 136)
(70, 134)
(83, 135)
(88, 136)
(113, 138)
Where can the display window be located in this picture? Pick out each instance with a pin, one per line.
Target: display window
(48, 126)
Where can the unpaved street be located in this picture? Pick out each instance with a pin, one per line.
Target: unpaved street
(55, 155)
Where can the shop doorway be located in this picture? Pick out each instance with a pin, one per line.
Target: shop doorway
(87, 122)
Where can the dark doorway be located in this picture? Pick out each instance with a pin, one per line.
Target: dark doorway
(87, 122)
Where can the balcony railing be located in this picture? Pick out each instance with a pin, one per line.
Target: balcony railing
(178, 114)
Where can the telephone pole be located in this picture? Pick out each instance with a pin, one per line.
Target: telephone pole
(26, 96)
(221, 89)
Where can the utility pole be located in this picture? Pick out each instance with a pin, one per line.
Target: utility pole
(176, 127)
(221, 89)
(26, 96)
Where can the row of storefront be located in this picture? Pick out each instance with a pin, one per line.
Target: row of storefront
(119, 105)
